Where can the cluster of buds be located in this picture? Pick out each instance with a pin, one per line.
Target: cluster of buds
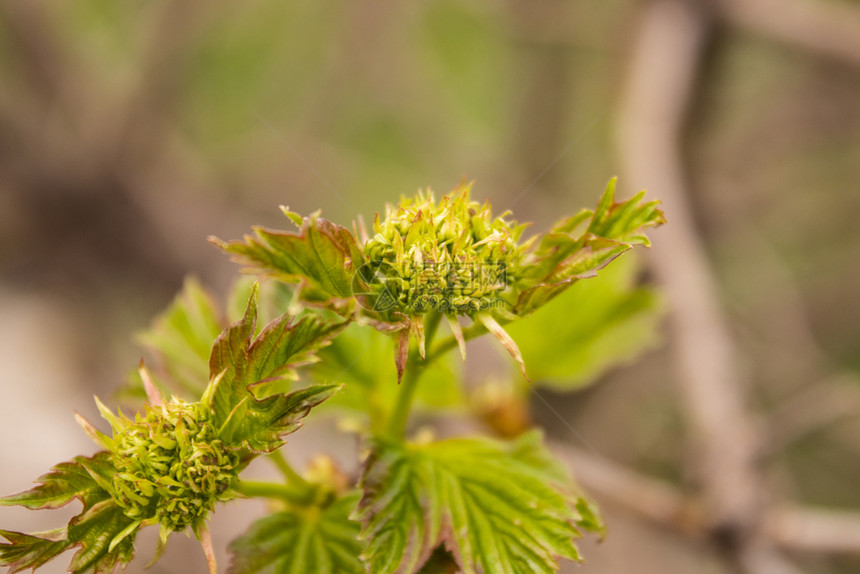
(170, 466)
(428, 259)
(452, 256)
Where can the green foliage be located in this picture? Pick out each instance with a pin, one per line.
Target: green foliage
(249, 372)
(100, 530)
(322, 258)
(172, 464)
(65, 482)
(320, 539)
(568, 253)
(588, 329)
(452, 257)
(30, 552)
(342, 307)
(354, 358)
(181, 339)
(499, 507)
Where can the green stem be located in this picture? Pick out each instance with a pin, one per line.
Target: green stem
(285, 492)
(415, 367)
(293, 477)
(431, 324)
(400, 414)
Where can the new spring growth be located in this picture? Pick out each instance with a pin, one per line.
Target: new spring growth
(452, 256)
(170, 465)
(423, 260)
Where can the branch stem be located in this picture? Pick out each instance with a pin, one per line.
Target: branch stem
(415, 367)
(258, 489)
(293, 477)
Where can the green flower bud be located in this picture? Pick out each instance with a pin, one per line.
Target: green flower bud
(451, 255)
(171, 468)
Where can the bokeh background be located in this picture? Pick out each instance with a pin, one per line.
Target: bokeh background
(130, 131)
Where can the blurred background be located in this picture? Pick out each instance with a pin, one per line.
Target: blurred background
(130, 131)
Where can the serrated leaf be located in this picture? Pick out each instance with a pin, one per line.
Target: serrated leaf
(94, 531)
(26, 551)
(591, 327)
(322, 257)
(567, 254)
(104, 534)
(182, 336)
(499, 507)
(297, 541)
(65, 482)
(251, 374)
(260, 424)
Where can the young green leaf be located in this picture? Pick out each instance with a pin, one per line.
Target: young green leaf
(93, 531)
(318, 539)
(250, 374)
(591, 327)
(175, 461)
(106, 537)
(103, 532)
(25, 551)
(499, 507)
(260, 424)
(322, 257)
(65, 482)
(566, 255)
(451, 256)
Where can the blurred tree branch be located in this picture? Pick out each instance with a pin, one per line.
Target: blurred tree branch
(726, 442)
(790, 526)
(646, 497)
(728, 439)
(827, 28)
(76, 150)
(820, 405)
(814, 529)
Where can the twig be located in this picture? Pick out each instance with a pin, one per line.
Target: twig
(827, 28)
(818, 406)
(814, 529)
(762, 558)
(726, 440)
(663, 74)
(795, 527)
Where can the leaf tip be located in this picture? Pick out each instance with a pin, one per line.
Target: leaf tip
(506, 340)
(153, 393)
(291, 215)
(97, 436)
(218, 242)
